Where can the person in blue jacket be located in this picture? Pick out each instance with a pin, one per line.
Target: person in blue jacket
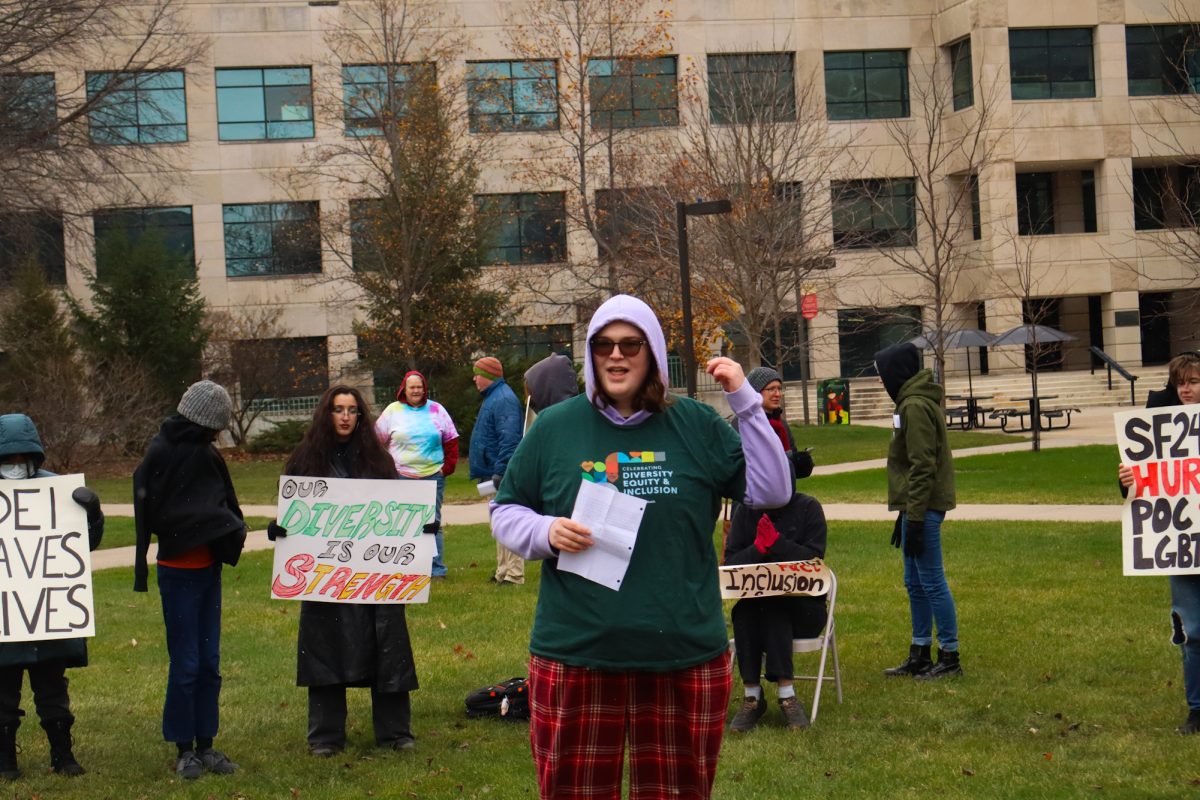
(46, 662)
(494, 439)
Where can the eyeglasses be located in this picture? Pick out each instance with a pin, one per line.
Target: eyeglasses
(339, 411)
(629, 347)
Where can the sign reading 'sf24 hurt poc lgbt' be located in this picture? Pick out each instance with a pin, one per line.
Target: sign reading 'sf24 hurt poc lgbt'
(45, 568)
(1161, 522)
(354, 541)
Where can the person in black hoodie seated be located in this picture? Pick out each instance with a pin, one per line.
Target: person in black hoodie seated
(350, 644)
(767, 625)
(182, 494)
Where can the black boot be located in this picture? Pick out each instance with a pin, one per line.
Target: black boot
(8, 753)
(947, 666)
(917, 663)
(1190, 725)
(62, 760)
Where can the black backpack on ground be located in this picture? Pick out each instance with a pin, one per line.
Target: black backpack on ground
(508, 700)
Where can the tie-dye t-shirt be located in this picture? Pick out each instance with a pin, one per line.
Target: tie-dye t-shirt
(414, 436)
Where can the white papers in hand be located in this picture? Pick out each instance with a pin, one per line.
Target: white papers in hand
(614, 519)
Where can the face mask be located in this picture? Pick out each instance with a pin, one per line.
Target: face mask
(15, 472)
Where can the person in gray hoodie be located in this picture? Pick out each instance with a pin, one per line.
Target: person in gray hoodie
(920, 471)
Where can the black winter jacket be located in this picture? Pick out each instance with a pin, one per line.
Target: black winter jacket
(801, 526)
(182, 494)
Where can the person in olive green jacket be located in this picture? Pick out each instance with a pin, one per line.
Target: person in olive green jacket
(921, 487)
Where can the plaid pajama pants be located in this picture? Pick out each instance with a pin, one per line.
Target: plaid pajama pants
(581, 717)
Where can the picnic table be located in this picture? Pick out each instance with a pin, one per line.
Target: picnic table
(1037, 414)
(970, 415)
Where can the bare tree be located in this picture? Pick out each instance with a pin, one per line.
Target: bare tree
(932, 203)
(56, 125)
(408, 240)
(607, 62)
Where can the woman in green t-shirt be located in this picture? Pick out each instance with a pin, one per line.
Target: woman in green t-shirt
(647, 661)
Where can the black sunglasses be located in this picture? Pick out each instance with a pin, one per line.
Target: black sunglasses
(629, 347)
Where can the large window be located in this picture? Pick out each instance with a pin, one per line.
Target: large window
(512, 95)
(281, 368)
(962, 81)
(137, 107)
(36, 238)
(174, 224)
(866, 84)
(863, 332)
(271, 239)
(633, 222)
(1165, 197)
(1056, 202)
(372, 94)
(525, 228)
(1163, 59)
(1051, 63)
(751, 86)
(27, 104)
(633, 92)
(535, 342)
(261, 104)
(874, 213)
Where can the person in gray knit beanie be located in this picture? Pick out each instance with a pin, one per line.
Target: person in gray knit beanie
(759, 377)
(207, 404)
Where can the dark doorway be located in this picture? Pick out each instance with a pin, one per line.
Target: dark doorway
(1156, 327)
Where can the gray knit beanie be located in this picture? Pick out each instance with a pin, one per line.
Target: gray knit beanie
(759, 377)
(207, 404)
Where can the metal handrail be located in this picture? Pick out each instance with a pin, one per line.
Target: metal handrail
(1110, 365)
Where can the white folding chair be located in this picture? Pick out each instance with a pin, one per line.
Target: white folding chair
(824, 643)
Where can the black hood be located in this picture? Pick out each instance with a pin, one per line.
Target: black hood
(550, 381)
(896, 364)
(178, 428)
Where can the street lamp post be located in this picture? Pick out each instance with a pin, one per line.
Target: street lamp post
(682, 212)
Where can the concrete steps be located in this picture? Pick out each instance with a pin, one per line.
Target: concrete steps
(1079, 389)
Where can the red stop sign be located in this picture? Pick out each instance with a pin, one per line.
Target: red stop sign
(808, 306)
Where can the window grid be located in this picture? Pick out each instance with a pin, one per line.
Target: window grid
(527, 228)
(875, 212)
(512, 95)
(374, 93)
(1035, 203)
(263, 239)
(746, 86)
(962, 80)
(1162, 59)
(264, 104)
(174, 222)
(1048, 63)
(28, 104)
(137, 107)
(633, 92)
(533, 342)
(866, 84)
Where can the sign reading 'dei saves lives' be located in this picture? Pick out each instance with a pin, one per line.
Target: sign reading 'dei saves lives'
(354, 541)
(45, 568)
(1161, 521)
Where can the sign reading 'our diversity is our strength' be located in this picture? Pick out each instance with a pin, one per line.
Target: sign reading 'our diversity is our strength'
(354, 541)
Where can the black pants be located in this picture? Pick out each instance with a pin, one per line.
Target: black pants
(391, 715)
(767, 625)
(48, 681)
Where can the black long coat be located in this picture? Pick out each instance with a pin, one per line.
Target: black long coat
(354, 644)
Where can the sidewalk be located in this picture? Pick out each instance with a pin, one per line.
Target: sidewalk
(1093, 426)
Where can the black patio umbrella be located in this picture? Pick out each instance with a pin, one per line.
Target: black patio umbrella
(1025, 334)
(964, 337)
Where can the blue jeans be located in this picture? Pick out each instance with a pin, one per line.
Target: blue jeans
(439, 566)
(929, 596)
(1185, 622)
(191, 603)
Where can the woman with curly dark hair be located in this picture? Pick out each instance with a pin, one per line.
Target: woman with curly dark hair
(343, 645)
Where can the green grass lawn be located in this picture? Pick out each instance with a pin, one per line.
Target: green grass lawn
(119, 531)
(1071, 687)
(838, 444)
(1078, 475)
(257, 482)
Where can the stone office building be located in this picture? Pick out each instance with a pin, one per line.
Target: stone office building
(1092, 126)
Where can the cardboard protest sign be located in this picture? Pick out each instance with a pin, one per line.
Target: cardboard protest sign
(45, 567)
(767, 580)
(354, 541)
(1160, 526)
